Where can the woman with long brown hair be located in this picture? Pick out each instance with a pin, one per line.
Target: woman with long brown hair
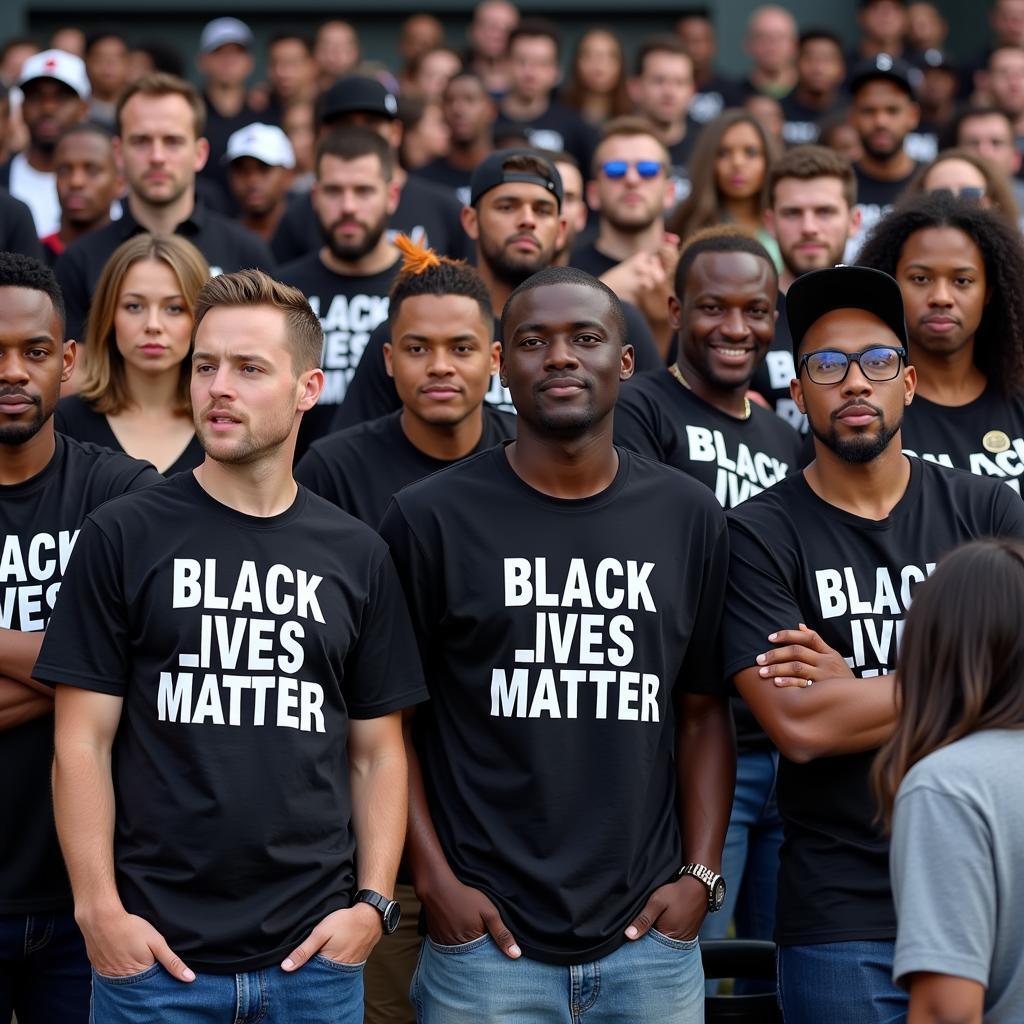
(134, 395)
(597, 88)
(950, 781)
(728, 172)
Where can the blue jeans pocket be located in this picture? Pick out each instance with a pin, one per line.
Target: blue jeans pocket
(127, 979)
(462, 947)
(683, 945)
(334, 965)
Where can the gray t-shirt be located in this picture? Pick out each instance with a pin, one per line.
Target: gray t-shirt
(957, 848)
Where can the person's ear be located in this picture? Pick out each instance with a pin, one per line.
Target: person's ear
(470, 223)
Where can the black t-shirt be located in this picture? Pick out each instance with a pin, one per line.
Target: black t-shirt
(985, 436)
(359, 469)
(427, 213)
(220, 128)
(76, 418)
(713, 96)
(558, 128)
(371, 392)
(589, 258)
(441, 172)
(226, 245)
(39, 521)
(875, 199)
(242, 648)
(554, 635)
(771, 378)
(17, 228)
(796, 558)
(679, 158)
(350, 309)
(801, 121)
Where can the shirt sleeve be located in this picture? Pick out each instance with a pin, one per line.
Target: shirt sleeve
(382, 671)
(312, 471)
(1009, 515)
(90, 650)
(371, 392)
(634, 425)
(758, 600)
(944, 886)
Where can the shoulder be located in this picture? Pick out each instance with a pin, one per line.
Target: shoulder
(115, 470)
(300, 269)
(352, 441)
(497, 422)
(343, 533)
(772, 507)
(453, 484)
(768, 422)
(966, 489)
(644, 386)
(73, 410)
(670, 484)
(87, 248)
(964, 769)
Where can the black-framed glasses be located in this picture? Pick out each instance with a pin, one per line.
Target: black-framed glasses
(645, 168)
(831, 367)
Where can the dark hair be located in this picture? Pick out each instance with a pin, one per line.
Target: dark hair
(658, 44)
(531, 28)
(284, 36)
(961, 661)
(722, 238)
(574, 93)
(702, 208)
(807, 162)
(166, 58)
(350, 142)
(812, 35)
(997, 185)
(999, 340)
(99, 35)
(445, 277)
(569, 275)
(951, 137)
(20, 271)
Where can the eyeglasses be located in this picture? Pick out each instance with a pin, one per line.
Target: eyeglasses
(969, 193)
(830, 367)
(618, 168)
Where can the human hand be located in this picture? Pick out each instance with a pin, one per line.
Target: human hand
(676, 909)
(458, 913)
(120, 944)
(801, 659)
(344, 936)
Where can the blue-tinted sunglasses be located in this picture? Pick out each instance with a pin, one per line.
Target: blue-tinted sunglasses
(618, 168)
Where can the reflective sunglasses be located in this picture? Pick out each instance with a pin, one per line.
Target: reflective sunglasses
(970, 193)
(618, 168)
(831, 367)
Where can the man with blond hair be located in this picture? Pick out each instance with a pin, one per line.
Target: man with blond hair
(230, 670)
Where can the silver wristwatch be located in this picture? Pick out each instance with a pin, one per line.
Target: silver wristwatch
(711, 880)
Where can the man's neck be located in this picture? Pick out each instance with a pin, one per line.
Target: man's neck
(162, 220)
(445, 441)
(70, 232)
(264, 224)
(21, 462)
(466, 156)
(620, 245)
(39, 159)
(227, 100)
(951, 379)
(263, 488)
(816, 101)
(376, 261)
(565, 468)
(672, 132)
(893, 168)
(870, 490)
(519, 109)
(499, 290)
(731, 401)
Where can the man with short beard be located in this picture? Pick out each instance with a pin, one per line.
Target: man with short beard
(347, 281)
(823, 567)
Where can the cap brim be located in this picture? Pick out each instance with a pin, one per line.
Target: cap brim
(813, 295)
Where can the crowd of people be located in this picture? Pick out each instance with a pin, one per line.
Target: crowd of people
(472, 532)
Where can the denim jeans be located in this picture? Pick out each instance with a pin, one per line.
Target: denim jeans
(44, 972)
(320, 992)
(654, 979)
(840, 983)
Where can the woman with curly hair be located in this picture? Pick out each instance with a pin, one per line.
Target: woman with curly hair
(968, 176)
(960, 270)
(728, 172)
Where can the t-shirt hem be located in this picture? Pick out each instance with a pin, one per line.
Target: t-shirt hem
(52, 675)
(737, 665)
(814, 938)
(938, 961)
(407, 700)
(39, 906)
(252, 963)
(570, 958)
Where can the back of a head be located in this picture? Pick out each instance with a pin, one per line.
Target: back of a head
(20, 271)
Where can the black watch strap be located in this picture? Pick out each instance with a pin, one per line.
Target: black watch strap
(389, 910)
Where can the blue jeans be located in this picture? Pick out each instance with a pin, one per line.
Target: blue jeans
(44, 972)
(840, 983)
(654, 979)
(320, 992)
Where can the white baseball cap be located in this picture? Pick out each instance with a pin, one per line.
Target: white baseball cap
(222, 31)
(59, 65)
(265, 142)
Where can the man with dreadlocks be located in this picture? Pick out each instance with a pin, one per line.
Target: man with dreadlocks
(959, 268)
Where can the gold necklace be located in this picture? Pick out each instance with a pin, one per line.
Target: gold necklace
(675, 371)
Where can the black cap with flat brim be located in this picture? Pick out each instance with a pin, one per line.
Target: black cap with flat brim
(813, 295)
(492, 172)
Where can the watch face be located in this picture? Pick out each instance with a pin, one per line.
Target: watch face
(392, 915)
(717, 896)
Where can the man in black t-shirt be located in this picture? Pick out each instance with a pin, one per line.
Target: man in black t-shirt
(566, 611)
(820, 72)
(348, 279)
(884, 111)
(48, 484)
(230, 671)
(714, 91)
(822, 570)
(960, 270)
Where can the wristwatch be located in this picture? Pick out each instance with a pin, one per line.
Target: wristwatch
(390, 911)
(711, 880)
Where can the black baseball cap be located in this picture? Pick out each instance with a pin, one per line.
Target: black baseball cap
(887, 68)
(356, 94)
(813, 295)
(491, 172)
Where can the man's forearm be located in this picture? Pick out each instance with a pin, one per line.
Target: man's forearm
(706, 763)
(19, 651)
(20, 704)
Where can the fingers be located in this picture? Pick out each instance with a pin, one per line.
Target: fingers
(789, 668)
(641, 924)
(801, 682)
(792, 652)
(298, 956)
(169, 960)
(503, 938)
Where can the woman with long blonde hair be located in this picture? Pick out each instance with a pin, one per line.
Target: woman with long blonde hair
(134, 395)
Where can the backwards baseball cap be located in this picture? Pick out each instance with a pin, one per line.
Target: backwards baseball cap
(813, 295)
(59, 65)
(264, 142)
(222, 31)
(884, 67)
(491, 172)
(357, 94)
